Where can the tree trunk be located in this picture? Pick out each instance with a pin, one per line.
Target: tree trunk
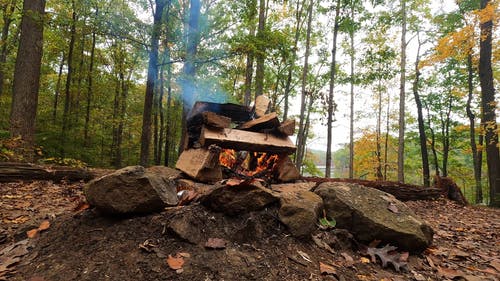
(472, 130)
(386, 140)
(169, 137)
(162, 116)
(298, 23)
(331, 103)
(90, 88)
(27, 73)
(150, 84)
(402, 96)
(250, 57)
(57, 90)
(378, 133)
(488, 104)
(302, 136)
(351, 94)
(69, 76)
(259, 71)
(8, 10)
(420, 117)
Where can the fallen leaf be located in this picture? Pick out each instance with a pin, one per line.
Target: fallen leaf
(393, 208)
(449, 273)
(326, 224)
(216, 243)
(348, 259)
(387, 256)
(495, 264)
(322, 244)
(327, 269)
(44, 225)
(472, 278)
(304, 256)
(184, 255)
(82, 206)
(176, 262)
(32, 233)
(234, 182)
(364, 260)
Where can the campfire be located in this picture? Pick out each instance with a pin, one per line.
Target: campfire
(234, 141)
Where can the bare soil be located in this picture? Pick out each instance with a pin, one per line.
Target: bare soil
(80, 244)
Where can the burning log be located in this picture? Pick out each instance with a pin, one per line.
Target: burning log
(243, 140)
(286, 170)
(201, 164)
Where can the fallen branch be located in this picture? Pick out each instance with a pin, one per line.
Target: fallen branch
(11, 171)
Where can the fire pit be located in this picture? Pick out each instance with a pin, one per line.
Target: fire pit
(230, 140)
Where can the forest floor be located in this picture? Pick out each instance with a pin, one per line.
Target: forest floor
(71, 242)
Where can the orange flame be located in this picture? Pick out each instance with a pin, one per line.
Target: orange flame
(264, 161)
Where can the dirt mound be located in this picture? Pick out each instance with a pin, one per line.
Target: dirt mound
(253, 246)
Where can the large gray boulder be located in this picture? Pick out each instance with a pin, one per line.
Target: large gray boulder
(233, 200)
(371, 214)
(299, 211)
(133, 190)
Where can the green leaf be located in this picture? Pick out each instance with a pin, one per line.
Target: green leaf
(327, 223)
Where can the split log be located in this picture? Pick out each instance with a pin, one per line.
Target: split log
(11, 171)
(287, 127)
(215, 120)
(267, 123)
(402, 191)
(261, 105)
(237, 113)
(201, 164)
(285, 169)
(243, 140)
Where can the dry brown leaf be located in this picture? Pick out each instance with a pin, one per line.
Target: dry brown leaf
(234, 182)
(32, 233)
(495, 264)
(82, 206)
(184, 254)
(176, 262)
(327, 269)
(216, 243)
(44, 225)
(449, 273)
(364, 260)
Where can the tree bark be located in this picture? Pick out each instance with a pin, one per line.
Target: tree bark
(488, 104)
(420, 118)
(69, 77)
(259, 71)
(150, 83)
(402, 96)
(27, 72)
(90, 88)
(298, 23)
(8, 10)
(351, 94)
(302, 136)
(10, 172)
(57, 90)
(250, 55)
(472, 130)
(331, 103)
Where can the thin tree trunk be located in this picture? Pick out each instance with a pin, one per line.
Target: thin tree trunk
(331, 103)
(488, 104)
(250, 58)
(27, 73)
(193, 38)
(57, 90)
(169, 137)
(420, 117)
(402, 96)
(259, 71)
(8, 10)
(386, 140)
(378, 152)
(302, 137)
(472, 130)
(69, 76)
(351, 115)
(293, 55)
(162, 116)
(433, 143)
(90, 88)
(150, 84)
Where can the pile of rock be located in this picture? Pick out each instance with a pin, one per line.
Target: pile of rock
(369, 214)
